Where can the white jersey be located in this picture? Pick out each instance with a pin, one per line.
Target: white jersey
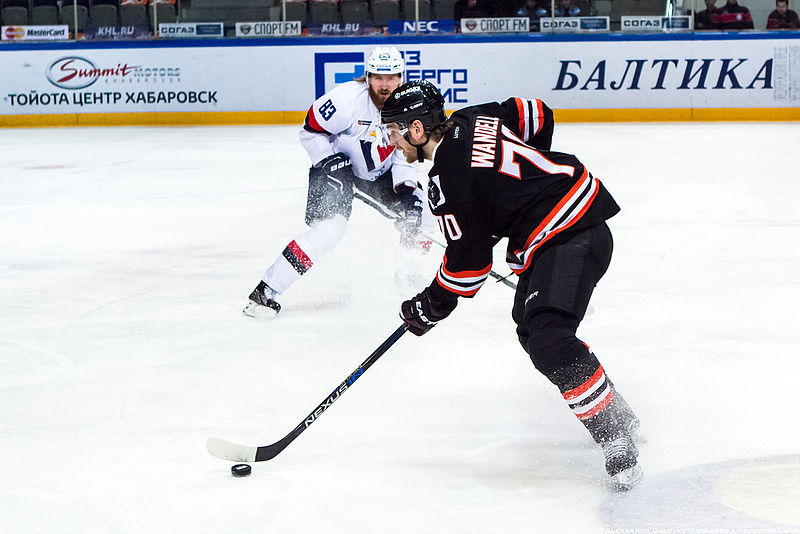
(345, 119)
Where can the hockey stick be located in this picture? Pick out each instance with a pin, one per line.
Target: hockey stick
(242, 453)
(389, 214)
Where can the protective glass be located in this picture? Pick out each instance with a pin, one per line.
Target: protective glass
(393, 132)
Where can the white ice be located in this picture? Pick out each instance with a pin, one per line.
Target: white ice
(126, 255)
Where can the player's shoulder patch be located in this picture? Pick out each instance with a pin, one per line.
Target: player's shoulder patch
(435, 195)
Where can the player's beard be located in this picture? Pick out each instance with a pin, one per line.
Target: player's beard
(378, 98)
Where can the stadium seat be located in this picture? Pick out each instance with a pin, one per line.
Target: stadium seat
(67, 15)
(103, 15)
(275, 13)
(14, 12)
(444, 9)
(44, 13)
(324, 11)
(297, 11)
(162, 12)
(409, 9)
(602, 7)
(133, 15)
(353, 11)
(385, 10)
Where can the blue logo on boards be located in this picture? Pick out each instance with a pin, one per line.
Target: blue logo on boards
(424, 26)
(345, 66)
(331, 68)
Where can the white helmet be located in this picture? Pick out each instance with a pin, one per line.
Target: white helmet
(385, 60)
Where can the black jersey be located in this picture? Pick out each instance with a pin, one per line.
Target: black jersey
(494, 176)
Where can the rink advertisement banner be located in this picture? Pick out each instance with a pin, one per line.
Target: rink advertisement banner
(651, 23)
(269, 29)
(396, 27)
(574, 24)
(190, 30)
(338, 29)
(117, 32)
(601, 74)
(34, 33)
(496, 25)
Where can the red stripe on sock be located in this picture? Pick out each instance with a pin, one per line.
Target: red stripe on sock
(571, 394)
(297, 251)
(599, 408)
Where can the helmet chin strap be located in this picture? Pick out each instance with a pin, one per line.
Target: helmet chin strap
(420, 153)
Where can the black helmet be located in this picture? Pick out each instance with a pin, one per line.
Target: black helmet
(417, 100)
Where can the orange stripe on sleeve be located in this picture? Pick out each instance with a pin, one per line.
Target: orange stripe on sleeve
(540, 111)
(451, 289)
(521, 113)
(464, 274)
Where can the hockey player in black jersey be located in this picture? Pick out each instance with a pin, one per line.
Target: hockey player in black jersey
(494, 177)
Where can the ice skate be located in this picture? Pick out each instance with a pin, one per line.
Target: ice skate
(621, 462)
(631, 423)
(262, 304)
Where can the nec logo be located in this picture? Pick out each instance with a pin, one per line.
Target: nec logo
(423, 26)
(331, 68)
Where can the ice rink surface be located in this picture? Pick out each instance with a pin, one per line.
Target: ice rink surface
(126, 255)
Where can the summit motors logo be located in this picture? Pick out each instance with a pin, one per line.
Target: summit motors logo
(78, 73)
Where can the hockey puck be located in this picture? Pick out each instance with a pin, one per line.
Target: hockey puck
(241, 470)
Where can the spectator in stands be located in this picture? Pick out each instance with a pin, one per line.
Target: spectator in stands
(732, 16)
(469, 9)
(783, 18)
(534, 10)
(565, 8)
(702, 19)
(504, 8)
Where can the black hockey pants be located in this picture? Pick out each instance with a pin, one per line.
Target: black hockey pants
(551, 300)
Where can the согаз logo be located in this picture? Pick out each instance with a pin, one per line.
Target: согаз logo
(79, 73)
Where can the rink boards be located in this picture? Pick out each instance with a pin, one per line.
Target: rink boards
(609, 77)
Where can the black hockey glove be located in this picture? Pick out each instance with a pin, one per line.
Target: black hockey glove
(410, 219)
(423, 312)
(337, 171)
(330, 189)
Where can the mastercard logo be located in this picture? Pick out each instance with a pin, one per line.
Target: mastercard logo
(14, 32)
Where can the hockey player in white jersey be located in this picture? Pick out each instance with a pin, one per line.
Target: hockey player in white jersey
(343, 139)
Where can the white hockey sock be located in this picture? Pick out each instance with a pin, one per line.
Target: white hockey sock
(301, 254)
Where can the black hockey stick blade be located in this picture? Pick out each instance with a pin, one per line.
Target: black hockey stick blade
(243, 453)
(389, 214)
